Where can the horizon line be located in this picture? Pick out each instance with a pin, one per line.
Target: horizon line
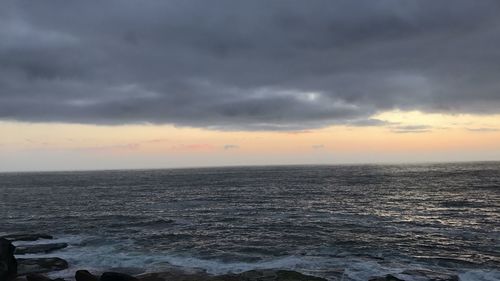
(381, 163)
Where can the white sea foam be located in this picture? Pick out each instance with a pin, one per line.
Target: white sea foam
(97, 255)
(99, 258)
(105, 256)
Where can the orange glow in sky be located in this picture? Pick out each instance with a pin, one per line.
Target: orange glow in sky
(405, 137)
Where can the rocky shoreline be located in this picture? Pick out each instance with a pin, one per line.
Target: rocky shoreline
(15, 268)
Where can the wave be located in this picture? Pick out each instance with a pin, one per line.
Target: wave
(97, 255)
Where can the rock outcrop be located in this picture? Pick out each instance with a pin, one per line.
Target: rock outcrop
(8, 263)
(39, 277)
(41, 248)
(84, 275)
(31, 269)
(276, 275)
(27, 237)
(418, 274)
(115, 276)
(252, 275)
(40, 265)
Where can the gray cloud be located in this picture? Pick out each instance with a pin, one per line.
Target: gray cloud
(246, 65)
(482, 130)
(231, 146)
(411, 129)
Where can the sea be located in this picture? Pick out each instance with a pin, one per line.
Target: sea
(344, 222)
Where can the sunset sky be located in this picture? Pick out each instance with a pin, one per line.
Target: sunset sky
(160, 84)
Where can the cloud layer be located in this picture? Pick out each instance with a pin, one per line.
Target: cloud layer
(251, 65)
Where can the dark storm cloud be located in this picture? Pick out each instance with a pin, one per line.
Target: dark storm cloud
(252, 65)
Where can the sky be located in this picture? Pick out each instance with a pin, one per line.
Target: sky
(158, 84)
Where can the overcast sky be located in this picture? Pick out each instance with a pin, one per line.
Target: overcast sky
(246, 65)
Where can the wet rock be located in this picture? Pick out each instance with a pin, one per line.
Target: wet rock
(40, 265)
(127, 270)
(288, 275)
(388, 277)
(177, 275)
(152, 277)
(27, 236)
(8, 263)
(37, 277)
(42, 248)
(252, 275)
(269, 275)
(259, 275)
(115, 276)
(84, 275)
(418, 275)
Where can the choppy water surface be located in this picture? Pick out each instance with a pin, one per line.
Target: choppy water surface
(358, 221)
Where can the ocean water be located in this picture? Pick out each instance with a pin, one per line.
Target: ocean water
(349, 222)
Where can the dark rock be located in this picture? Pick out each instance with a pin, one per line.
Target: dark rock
(259, 275)
(84, 275)
(40, 265)
(37, 277)
(252, 275)
(151, 277)
(267, 275)
(42, 248)
(27, 237)
(8, 263)
(418, 274)
(115, 276)
(225, 277)
(288, 275)
(388, 277)
(127, 270)
(177, 275)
